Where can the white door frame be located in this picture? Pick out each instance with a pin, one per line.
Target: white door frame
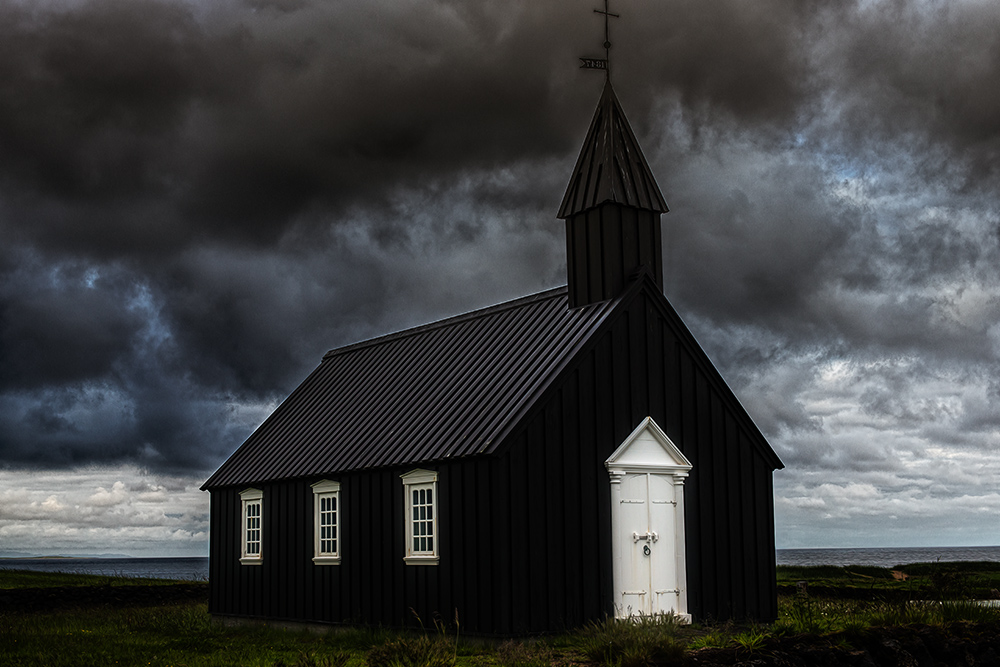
(648, 451)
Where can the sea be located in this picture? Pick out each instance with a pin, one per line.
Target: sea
(196, 568)
(184, 569)
(885, 556)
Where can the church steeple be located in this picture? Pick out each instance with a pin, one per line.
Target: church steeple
(612, 210)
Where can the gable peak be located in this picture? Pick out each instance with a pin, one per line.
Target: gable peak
(648, 448)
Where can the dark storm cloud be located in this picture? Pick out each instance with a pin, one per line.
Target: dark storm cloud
(62, 324)
(200, 199)
(242, 122)
(920, 76)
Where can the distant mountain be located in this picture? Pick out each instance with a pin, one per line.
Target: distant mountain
(24, 554)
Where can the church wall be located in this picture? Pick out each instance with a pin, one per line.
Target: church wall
(643, 366)
(372, 584)
(525, 536)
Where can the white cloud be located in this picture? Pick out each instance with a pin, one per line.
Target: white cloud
(100, 510)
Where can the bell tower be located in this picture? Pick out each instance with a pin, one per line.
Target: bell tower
(612, 210)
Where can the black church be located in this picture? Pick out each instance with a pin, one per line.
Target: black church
(533, 465)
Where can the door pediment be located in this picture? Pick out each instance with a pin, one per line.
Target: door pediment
(648, 448)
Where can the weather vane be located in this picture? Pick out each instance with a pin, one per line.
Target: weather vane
(605, 63)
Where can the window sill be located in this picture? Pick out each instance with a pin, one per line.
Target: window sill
(421, 560)
(326, 560)
(251, 561)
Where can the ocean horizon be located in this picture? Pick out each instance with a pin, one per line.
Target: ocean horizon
(195, 568)
(188, 568)
(884, 556)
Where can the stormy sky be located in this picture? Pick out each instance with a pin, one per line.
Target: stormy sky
(199, 198)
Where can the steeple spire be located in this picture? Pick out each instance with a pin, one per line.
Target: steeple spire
(612, 209)
(611, 166)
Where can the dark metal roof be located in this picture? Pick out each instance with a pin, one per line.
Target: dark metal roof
(611, 167)
(442, 390)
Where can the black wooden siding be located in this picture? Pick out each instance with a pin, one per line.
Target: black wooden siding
(525, 534)
(605, 246)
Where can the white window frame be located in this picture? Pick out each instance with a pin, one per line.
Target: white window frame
(416, 481)
(323, 490)
(248, 499)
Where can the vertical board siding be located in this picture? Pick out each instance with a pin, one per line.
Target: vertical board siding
(605, 245)
(524, 537)
(537, 544)
(520, 534)
(614, 249)
(501, 480)
(687, 429)
(593, 285)
(574, 524)
(588, 501)
(556, 512)
(748, 522)
(703, 510)
(734, 475)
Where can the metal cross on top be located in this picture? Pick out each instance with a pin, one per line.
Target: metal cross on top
(598, 63)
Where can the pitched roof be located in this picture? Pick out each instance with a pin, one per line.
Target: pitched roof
(611, 166)
(442, 390)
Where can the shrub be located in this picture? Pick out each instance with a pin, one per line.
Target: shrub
(339, 659)
(636, 642)
(806, 616)
(969, 610)
(752, 639)
(415, 651)
(718, 637)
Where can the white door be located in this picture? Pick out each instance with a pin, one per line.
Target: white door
(647, 475)
(646, 541)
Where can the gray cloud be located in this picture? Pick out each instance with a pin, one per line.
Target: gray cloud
(199, 199)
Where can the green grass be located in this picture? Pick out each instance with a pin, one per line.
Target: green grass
(184, 634)
(32, 579)
(825, 616)
(181, 634)
(935, 581)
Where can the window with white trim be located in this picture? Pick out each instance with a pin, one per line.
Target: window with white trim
(326, 522)
(251, 525)
(421, 500)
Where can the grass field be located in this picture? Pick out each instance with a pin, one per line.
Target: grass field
(31, 579)
(182, 633)
(925, 581)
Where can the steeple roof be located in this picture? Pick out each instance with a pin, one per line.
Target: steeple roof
(611, 167)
